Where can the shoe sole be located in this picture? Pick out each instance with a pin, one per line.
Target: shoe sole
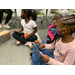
(17, 43)
(31, 46)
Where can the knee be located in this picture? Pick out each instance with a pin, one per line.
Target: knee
(13, 34)
(36, 37)
(10, 13)
(37, 45)
(34, 49)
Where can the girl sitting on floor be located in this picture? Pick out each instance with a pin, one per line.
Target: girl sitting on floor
(64, 53)
(28, 26)
(52, 29)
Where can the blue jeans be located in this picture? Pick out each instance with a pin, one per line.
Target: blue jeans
(36, 58)
(46, 42)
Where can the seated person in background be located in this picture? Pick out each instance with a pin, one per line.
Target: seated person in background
(28, 26)
(9, 12)
(52, 29)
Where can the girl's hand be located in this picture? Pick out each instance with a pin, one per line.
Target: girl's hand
(45, 58)
(37, 42)
(27, 36)
(50, 41)
(52, 38)
(41, 44)
(15, 31)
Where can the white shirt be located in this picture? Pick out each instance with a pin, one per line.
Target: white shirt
(28, 28)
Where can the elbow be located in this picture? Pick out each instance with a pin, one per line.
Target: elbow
(35, 31)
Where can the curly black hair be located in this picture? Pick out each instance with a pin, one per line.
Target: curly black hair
(31, 13)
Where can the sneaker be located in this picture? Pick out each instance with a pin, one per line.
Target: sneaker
(31, 54)
(6, 26)
(29, 44)
(17, 42)
(0, 26)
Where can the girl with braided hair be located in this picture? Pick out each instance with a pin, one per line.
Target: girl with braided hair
(64, 53)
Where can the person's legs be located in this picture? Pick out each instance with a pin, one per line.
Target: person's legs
(36, 59)
(9, 12)
(18, 37)
(35, 56)
(32, 38)
(1, 16)
(9, 15)
(45, 41)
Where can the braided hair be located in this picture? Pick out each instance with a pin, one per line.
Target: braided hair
(66, 20)
(70, 21)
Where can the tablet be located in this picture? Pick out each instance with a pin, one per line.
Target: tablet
(37, 49)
